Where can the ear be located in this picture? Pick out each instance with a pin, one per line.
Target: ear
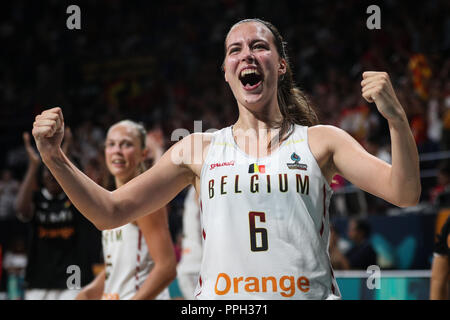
(283, 67)
(224, 73)
(145, 153)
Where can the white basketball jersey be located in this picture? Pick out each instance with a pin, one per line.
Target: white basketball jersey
(265, 223)
(127, 262)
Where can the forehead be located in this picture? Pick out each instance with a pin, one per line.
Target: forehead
(122, 131)
(248, 31)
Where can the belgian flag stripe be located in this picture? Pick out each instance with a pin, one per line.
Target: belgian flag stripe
(254, 168)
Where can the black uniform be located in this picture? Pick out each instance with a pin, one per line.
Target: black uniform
(362, 256)
(60, 237)
(442, 246)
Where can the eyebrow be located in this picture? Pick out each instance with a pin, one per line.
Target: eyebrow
(233, 44)
(251, 43)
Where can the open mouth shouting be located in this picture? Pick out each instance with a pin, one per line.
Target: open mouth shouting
(251, 78)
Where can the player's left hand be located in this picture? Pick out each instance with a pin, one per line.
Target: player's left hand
(377, 87)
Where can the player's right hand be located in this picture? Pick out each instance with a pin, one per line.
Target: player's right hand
(48, 131)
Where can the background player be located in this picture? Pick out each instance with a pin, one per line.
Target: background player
(139, 257)
(59, 235)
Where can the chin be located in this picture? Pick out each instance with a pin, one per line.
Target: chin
(258, 96)
(117, 173)
(253, 101)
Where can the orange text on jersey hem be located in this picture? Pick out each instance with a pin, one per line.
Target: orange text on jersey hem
(287, 284)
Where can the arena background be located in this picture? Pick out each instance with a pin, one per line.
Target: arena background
(159, 62)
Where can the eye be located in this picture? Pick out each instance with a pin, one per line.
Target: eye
(127, 144)
(233, 50)
(260, 45)
(109, 144)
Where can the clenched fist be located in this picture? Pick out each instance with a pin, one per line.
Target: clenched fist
(48, 131)
(377, 87)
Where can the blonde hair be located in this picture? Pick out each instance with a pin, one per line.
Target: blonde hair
(138, 126)
(142, 136)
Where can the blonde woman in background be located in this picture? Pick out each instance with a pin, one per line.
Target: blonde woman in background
(139, 257)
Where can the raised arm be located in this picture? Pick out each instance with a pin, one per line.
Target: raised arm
(24, 200)
(398, 183)
(106, 210)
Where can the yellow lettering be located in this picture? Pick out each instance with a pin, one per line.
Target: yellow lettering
(119, 234)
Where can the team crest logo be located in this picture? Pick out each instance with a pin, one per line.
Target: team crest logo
(296, 165)
(254, 168)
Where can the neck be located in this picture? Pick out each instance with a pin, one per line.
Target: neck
(257, 132)
(261, 118)
(120, 181)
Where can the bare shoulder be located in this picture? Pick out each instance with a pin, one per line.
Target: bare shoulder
(191, 151)
(323, 130)
(198, 143)
(323, 136)
(323, 140)
(328, 136)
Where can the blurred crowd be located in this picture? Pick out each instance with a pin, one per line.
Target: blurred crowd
(160, 63)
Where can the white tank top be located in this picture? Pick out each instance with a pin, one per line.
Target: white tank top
(265, 223)
(127, 262)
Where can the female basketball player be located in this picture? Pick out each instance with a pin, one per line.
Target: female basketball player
(263, 199)
(139, 257)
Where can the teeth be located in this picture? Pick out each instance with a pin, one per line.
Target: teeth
(249, 71)
(118, 161)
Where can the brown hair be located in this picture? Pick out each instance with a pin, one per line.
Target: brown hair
(294, 105)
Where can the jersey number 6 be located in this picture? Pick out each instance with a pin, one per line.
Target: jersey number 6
(254, 231)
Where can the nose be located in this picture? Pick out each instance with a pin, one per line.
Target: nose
(115, 149)
(247, 55)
